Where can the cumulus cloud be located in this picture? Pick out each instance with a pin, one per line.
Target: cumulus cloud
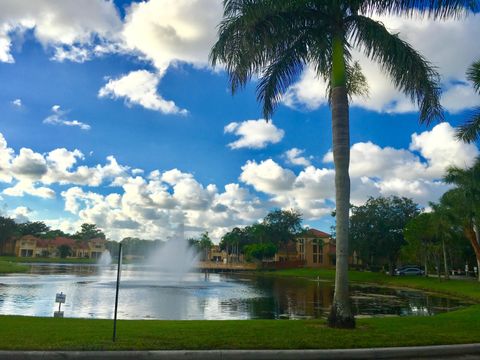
(153, 205)
(140, 88)
(30, 170)
(254, 134)
(21, 214)
(58, 118)
(168, 31)
(415, 172)
(429, 38)
(70, 30)
(294, 157)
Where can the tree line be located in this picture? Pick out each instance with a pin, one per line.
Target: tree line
(442, 238)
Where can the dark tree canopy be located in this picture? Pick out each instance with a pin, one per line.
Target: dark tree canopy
(283, 225)
(36, 228)
(89, 231)
(376, 228)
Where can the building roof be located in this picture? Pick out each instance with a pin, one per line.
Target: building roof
(58, 241)
(29, 237)
(315, 233)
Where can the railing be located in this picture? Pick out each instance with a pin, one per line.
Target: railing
(212, 265)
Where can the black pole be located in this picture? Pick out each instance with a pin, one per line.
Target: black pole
(116, 293)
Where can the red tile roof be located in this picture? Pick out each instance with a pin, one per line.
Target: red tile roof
(315, 233)
(58, 241)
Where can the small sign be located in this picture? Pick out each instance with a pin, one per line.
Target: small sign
(60, 298)
(58, 314)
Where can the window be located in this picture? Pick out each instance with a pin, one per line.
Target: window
(317, 250)
(301, 248)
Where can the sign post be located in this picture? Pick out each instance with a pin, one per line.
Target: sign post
(60, 298)
(119, 270)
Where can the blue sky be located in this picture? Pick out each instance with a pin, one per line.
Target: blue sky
(107, 117)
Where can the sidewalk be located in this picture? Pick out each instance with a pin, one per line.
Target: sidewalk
(466, 352)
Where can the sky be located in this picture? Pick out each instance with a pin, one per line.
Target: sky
(111, 114)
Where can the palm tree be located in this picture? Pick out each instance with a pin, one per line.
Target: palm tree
(465, 202)
(276, 39)
(470, 131)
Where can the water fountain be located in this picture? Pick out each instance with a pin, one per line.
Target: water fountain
(175, 256)
(105, 259)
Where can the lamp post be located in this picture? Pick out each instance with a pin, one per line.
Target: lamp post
(119, 270)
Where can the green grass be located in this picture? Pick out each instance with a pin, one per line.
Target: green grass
(456, 327)
(47, 260)
(7, 267)
(30, 333)
(468, 289)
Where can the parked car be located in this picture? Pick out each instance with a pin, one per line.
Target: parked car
(409, 271)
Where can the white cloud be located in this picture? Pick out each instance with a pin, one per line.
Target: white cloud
(254, 134)
(17, 102)
(152, 205)
(429, 38)
(62, 25)
(140, 88)
(167, 31)
(21, 214)
(375, 171)
(28, 187)
(268, 176)
(460, 97)
(58, 118)
(293, 157)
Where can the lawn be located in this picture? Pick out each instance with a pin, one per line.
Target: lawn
(31, 333)
(47, 260)
(456, 327)
(468, 288)
(7, 267)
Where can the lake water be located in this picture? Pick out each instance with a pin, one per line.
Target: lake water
(147, 294)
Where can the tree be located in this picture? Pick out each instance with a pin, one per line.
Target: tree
(281, 226)
(51, 234)
(202, 245)
(464, 201)
(36, 228)
(8, 228)
(276, 39)
(260, 251)
(376, 228)
(205, 244)
(418, 235)
(89, 231)
(64, 251)
(470, 131)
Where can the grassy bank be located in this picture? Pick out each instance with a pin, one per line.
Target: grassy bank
(47, 260)
(469, 289)
(7, 267)
(81, 334)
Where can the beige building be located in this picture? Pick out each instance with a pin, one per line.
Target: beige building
(31, 246)
(316, 249)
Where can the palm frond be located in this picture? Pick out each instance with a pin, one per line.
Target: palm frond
(436, 9)
(253, 33)
(279, 75)
(410, 72)
(473, 74)
(470, 131)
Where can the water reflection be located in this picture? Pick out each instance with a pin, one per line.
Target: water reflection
(148, 294)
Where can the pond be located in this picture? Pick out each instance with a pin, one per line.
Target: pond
(148, 294)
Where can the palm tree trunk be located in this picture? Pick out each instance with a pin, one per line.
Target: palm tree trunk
(445, 262)
(471, 235)
(341, 313)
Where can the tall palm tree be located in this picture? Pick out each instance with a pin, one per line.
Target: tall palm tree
(276, 39)
(470, 131)
(465, 202)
